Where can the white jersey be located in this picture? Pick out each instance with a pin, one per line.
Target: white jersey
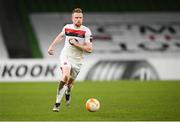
(82, 34)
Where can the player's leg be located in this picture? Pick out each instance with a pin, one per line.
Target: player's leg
(68, 91)
(62, 86)
(63, 83)
(73, 74)
(69, 85)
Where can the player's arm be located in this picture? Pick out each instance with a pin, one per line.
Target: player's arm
(57, 40)
(86, 46)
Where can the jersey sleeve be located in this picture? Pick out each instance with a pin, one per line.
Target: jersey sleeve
(88, 35)
(63, 30)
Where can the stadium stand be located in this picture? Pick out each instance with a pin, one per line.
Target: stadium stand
(24, 40)
(46, 28)
(121, 35)
(13, 33)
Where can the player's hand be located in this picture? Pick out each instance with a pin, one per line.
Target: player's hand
(73, 41)
(50, 51)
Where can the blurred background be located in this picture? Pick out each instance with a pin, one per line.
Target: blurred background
(133, 39)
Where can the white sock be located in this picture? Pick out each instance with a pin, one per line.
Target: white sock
(69, 89)
(60, 94)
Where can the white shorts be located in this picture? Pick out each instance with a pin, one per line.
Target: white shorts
(73, 64)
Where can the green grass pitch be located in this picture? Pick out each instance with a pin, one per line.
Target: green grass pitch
(120, 100)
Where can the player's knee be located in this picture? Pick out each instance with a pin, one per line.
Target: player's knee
(66, 78)
(70, 82)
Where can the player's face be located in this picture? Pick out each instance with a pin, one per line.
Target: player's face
(77, 19)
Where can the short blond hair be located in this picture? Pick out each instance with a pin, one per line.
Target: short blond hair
(77, 10)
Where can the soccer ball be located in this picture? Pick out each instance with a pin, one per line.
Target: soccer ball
(92, 105)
